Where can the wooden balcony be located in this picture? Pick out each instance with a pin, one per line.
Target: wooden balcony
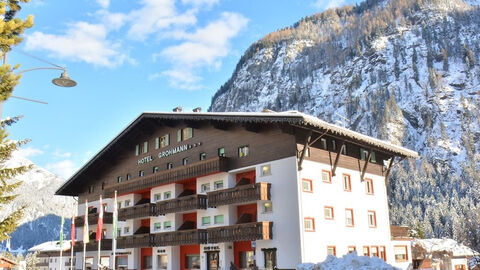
(182, 204)
(178, 238)
(241, 232)
(137, 211)
(201, 168)
(135, 241)
(42, 264)
(93, 245)
(239, 194)
(93, 219)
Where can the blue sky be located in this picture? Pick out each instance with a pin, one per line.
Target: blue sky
(129, 57)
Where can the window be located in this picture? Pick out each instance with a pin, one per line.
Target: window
(157, 197)
(349, 218)
(137, 150)
(167, 195)
(126, 229)
(243, 151)
(373, 158)
(401, 254)
(309, 224)
(334, 145)
(323, 143)
(221, 152)
(307, 185)
(270, 255)
(326, 176)
(205, 221)
(129, 176)
(157, 226)
(119, 179)
(105, 260)
(89, 263)
(119, 205)
(169, 165)
(266, 170)
(372, 219)
(331, 250)
(328, 212)
(460, 267)
(141, 173)
(382, 253)
(369, 186)
(119, 232)
(145, 147)
(203, 156)
(246, 259)
(267, 207)
(165, 140)
(147, 262)
(347, 184)
(374, 251)
(127, 203)
(91, 189)
(344, 150)
(155, 169)
(351, 249)
(162, 261)
(218, 184)
(167, 224)
(366, 251)
(185, 161)
(192, 261)
(218, 219)
(122, 262)
(184, 134)
(205, 187)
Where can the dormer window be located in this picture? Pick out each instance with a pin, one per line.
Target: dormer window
(141, 148)
(119, 179)
(184, 134)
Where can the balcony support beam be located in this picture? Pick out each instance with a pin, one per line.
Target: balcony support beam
(337, 158)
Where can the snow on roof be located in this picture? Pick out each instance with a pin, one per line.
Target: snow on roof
(444, 245)
(50, 246)
(348, 261)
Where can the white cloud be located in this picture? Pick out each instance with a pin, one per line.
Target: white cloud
(153, 76)
(203, 48)
(104, 3)
(61, 154)
(82, 42)
(326, 4)
(28, 152)
(64, 168)
(199, 3)
(112, 20)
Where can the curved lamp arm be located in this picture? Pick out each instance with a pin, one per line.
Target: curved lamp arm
(38, 68)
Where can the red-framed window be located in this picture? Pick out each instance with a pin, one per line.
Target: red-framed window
(369, 186)
(351, 249)
(309, 224)
(328, 212)
(372, 219)
(383, 253)
(331, 250)
(327, 176)
(347, 184)
(401, 253)
(349, 218)
(374, 251)
(366, 251)
(307, 185)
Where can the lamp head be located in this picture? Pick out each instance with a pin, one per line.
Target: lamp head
(64, 80)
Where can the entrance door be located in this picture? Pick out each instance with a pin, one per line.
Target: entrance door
(212, 260)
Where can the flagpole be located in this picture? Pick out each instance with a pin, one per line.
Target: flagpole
(72, 235)
(115, 217)
(99, 230)
(61, 242)
(85, 234)
(71, 257)
(61, 257)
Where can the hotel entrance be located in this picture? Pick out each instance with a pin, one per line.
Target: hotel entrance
(213, 260)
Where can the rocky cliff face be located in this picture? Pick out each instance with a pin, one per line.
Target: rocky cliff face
(41, 219)
(405, 71)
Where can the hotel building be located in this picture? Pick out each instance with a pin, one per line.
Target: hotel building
(207, 190)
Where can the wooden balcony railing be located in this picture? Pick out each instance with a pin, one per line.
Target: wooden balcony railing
(40, 264)
(239, 194)
(241, 232)
(137, 211)
(93, 219)
(204, 167)
(178, 238)
(181, 204)
(93, 245)
(135, 241)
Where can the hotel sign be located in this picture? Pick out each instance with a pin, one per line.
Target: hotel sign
(169, 152)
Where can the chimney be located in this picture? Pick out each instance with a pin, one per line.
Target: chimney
(177, 109)
(198, 109)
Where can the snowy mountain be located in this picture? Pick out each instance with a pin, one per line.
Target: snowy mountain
(41, 218)
(405, 71)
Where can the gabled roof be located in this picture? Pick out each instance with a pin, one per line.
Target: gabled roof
(293, 118)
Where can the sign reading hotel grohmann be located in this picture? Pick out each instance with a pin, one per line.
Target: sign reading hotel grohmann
(169, 152)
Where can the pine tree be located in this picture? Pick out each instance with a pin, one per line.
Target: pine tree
(11, 29)
(31, 259)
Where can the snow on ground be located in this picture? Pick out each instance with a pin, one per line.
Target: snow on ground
(444, 245)
(348, 262)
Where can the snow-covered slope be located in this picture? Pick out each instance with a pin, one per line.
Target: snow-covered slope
(406, 71)
(41, 219)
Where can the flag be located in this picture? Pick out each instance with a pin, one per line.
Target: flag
(72, 233)
(86, 237)
(8, 245)
(115, 216)
(100, 221)
(61, 231)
